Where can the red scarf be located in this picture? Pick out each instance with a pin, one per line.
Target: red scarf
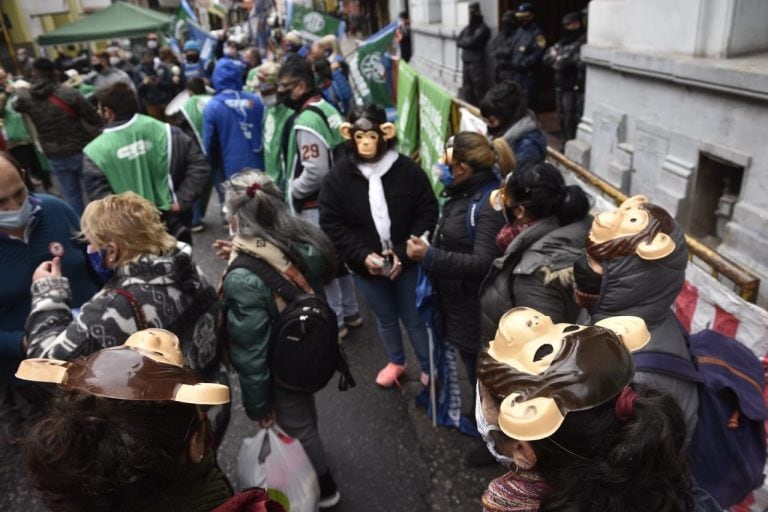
(508, 233)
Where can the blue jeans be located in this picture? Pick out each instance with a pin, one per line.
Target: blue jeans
(69, 171)
(392, 301)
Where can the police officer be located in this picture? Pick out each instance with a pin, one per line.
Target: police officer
(502, 47)
(563, 58)
(472, 41)
(529, 44)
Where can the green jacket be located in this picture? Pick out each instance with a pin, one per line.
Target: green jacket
(251, 310)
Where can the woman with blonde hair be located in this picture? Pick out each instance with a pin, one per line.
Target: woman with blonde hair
(464, 243)
(149, 281)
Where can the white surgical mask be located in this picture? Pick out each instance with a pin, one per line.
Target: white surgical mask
(230, 52)
(485, 429)
(270, 100)
(114, 61)
(15, 219)
(151, 44)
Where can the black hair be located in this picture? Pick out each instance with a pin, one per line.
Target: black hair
(44, 67)
(322, 69)
(120, 99)
(196, 85)
(506, 101)
(596, 462)
(540, 187)
(100, 454)
(298, 69)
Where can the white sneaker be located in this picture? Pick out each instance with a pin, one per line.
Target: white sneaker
(330, 501)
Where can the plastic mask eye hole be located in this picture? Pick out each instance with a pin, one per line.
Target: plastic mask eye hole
(571, 328)
(542, 352)
(633, 219)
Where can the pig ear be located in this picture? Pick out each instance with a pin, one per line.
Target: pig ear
(533, 419)
(660, 247)
(631, 330)
(346, 130)
(43, 370)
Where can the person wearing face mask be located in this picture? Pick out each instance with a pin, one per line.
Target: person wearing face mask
(528, 44)
(152, 43)
(154, 86)
(506, 111)
(543, 237)
(104, 74)
(65, 122)
(151, 158)
(33, 228)
(312, 133)
(292, 45)
(232, 124)
(463, 245)
(472, 41)
(276, 116)
(501, 47)
(194, 67)
(149, 279)
(564, 58)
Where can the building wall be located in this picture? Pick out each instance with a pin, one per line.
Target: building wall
(654, 108)
(435, 25)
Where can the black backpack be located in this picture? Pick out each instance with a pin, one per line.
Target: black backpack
(304, 350)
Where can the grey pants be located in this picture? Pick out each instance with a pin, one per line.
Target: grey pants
(296, 414)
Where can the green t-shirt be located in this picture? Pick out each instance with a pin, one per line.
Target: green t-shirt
(15, 129)
(136, 156)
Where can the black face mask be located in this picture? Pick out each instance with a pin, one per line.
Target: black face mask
(587, 283)
(98, 67)
(497, 131)
(571, 35)
(193, 58)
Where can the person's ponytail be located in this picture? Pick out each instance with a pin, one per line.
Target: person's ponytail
(574, 206)
(505, 156)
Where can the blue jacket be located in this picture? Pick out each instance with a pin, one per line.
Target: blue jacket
(232, 122)
(339, 92)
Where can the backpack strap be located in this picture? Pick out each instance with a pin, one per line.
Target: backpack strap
(667, 364)
(66, 107)
(478, 199)
(276, 282)
(138, 313)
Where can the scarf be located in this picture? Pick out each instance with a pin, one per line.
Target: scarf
(373, 171)
(508, 233)
(269, 252)
(516, 491)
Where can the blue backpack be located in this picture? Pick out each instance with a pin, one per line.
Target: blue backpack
(728, 448)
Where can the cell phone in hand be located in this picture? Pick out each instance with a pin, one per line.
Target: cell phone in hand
(386, 266)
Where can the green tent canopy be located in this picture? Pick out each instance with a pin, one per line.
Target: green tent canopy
(121, 19)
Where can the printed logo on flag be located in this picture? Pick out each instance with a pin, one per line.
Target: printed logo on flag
(373, 69)
(314, 22)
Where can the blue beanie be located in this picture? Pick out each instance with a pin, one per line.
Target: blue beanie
(191, 45)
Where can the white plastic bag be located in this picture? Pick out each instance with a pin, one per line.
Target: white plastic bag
(275, 461)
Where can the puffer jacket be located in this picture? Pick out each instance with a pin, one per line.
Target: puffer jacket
(250, 311)
(526, 139)
(456, 264)
(638, 287)
(60, 132)
(172, 293)
(536, 272)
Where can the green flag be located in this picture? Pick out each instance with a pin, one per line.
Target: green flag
(407, 108)
(435, 110)
(312, 24)
(368, 67)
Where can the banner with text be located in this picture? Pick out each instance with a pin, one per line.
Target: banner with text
(407, 108)
(312, 24)
(434, 112)
(371, 67)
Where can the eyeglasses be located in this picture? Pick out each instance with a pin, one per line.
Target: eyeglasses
(288, 85)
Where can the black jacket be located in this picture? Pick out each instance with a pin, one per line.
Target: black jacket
(456, 264)
(345, 212)
(189, 170)
(472, 40)
(61, 130)
(535, 272)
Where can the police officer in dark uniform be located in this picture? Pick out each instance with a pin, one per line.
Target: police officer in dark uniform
(564, 58)
(472, 41)
(529, 44)
(502, 47)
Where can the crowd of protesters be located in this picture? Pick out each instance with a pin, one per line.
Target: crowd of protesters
(317, 189)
